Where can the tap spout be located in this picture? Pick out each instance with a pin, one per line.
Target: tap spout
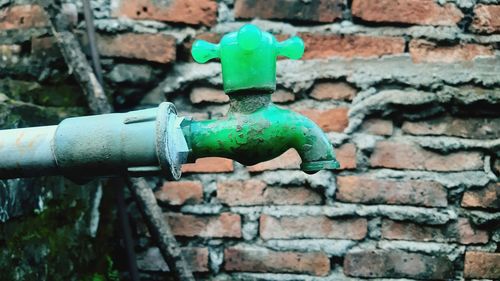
(256, 130)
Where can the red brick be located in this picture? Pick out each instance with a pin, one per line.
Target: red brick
(151, 260)
(486, 19)
(255, 192)
(151, 47)
(477, 128)
(22, 17)
(282, 96)
(289, 227)
(313, 11)
(487, 197)
(264, 260)
(362, 189)
(202, 94)
(346, 155)
(397, 264)
(330, 120)
(180, 192)
(209, 165)
(349, 46)
(469, 235)
(377, 127)
(333, 91)
(482, 265)
(288, 160)
(460, 231)
(211, 37)
(223, 225)
(425, 51)
(390, 154)
(182, 11)
(425, 12)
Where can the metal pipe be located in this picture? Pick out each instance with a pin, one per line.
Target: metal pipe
(135, 143)
(27, 152)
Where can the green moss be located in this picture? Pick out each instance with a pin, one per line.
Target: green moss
(15, 114)
(58, 95)
(55, 245)
(111, 275)
(64, 93)
(18, 89)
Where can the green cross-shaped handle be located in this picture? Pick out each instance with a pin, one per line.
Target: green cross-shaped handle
(248, 57)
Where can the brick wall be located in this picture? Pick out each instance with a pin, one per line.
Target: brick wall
(408, 92)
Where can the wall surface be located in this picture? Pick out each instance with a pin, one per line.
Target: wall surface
(408, 92)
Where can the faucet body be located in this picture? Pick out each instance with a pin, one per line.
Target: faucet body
(256, 130)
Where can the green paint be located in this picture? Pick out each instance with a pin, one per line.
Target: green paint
(54, 244)
(255, 130)
(261, 135)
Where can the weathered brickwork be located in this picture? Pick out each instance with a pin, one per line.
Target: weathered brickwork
(377, 263)
(425, 12)
(181, 11)
(408, 92)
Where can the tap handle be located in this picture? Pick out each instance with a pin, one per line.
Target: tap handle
(249, 37)
(248, 57)
(204, 51)
(292, 48)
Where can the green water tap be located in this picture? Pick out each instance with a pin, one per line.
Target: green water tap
(158, 141)
(255, 129)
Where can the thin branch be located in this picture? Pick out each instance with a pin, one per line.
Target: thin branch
(159, 229)
(76, 61)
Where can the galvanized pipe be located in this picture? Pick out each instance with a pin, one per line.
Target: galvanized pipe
(106, 144)
(135, 143)
(27, 152)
